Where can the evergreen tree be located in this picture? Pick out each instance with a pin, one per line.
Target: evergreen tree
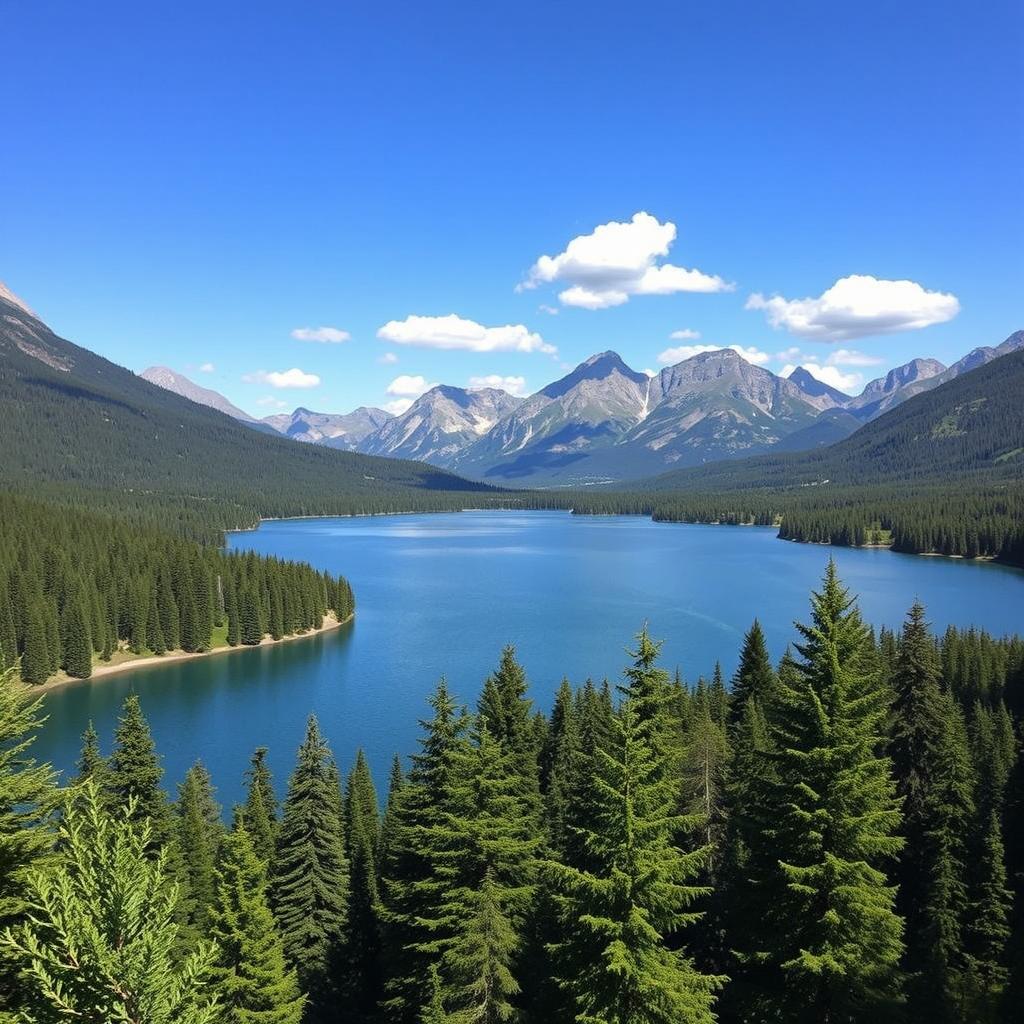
(411, 886)
(76, 641)
(933, 781)
(91, 762)
(101, 941)
(310, 886)
(988, 930)
(134, 770)
(27, 792)
(616, 960)
(561, 752)
(362, 834)
(261, 806)
(829, 935)
(35, 654)
(252, 980)
(754, 678)
(198, 835)
(480, 962)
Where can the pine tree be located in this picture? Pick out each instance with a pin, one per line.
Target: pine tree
(480, 962)
(754, 678)
(252, 980)
(27, 797)
(91, 763)
(261, 806)
(310, 886)
(102, 940)
(616, 960)
(933, 781)
(134, 770)
(411, 886)
(35, 655)
(362, 833)
(988, 930)
(829, 935)
(198, 833)
(561, 752)
(76, 641)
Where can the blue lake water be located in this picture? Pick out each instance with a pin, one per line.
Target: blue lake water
(441, 594)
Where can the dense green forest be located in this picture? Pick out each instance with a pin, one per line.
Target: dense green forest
(76, 587)
(838, 837)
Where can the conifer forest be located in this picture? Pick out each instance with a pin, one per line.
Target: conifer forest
(835, 837)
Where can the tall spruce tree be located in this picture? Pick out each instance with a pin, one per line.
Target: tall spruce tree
(252, 980)
(310, 886)
(411, 886)
(754, 679)
(91, 762)
(362, 835)
(619, 958)
(933, 781)
(198, 835)
(829, 935)
(134, 771)
(261, 806)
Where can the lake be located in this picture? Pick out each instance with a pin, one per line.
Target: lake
(441, 594)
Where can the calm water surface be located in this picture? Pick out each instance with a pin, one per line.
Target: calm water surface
(441, 594)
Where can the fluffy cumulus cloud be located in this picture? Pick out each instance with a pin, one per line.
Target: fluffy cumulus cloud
(455, 332)
(686, 334)
(513, 385)
(617, 260)
(207, 368)
(408, 386)
(677, 354)
(831, 375)
(324, 335)
(293, 378)
(397, 406)
(856, 307)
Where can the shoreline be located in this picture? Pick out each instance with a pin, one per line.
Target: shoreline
(102, 671)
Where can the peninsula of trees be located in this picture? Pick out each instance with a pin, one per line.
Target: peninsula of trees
(837, 837)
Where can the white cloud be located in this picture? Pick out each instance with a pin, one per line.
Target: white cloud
(398, 406)
(680, 352)
(513, 385)
(550, 310)
(455, 332)
(270, 402)
(850, 357)
(207, 368)
(649, 371)
(293, 378)
(617, 260)
(831, 375)
(408, 386)
(686, 334)
(858, 306)
(388, 359)
(325, 335)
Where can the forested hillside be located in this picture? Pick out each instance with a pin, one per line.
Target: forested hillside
(971, 428)
(838, 837)
(942, 473)
(77, 428)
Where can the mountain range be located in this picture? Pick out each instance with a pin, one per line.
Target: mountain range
(605, 422)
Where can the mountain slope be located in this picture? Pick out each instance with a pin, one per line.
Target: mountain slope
(335, 430)
(73, 420)
(971, 427)
(165, 377)
(551, 430)
(440, 424)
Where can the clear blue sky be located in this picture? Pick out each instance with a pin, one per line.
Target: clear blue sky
(188, 185)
